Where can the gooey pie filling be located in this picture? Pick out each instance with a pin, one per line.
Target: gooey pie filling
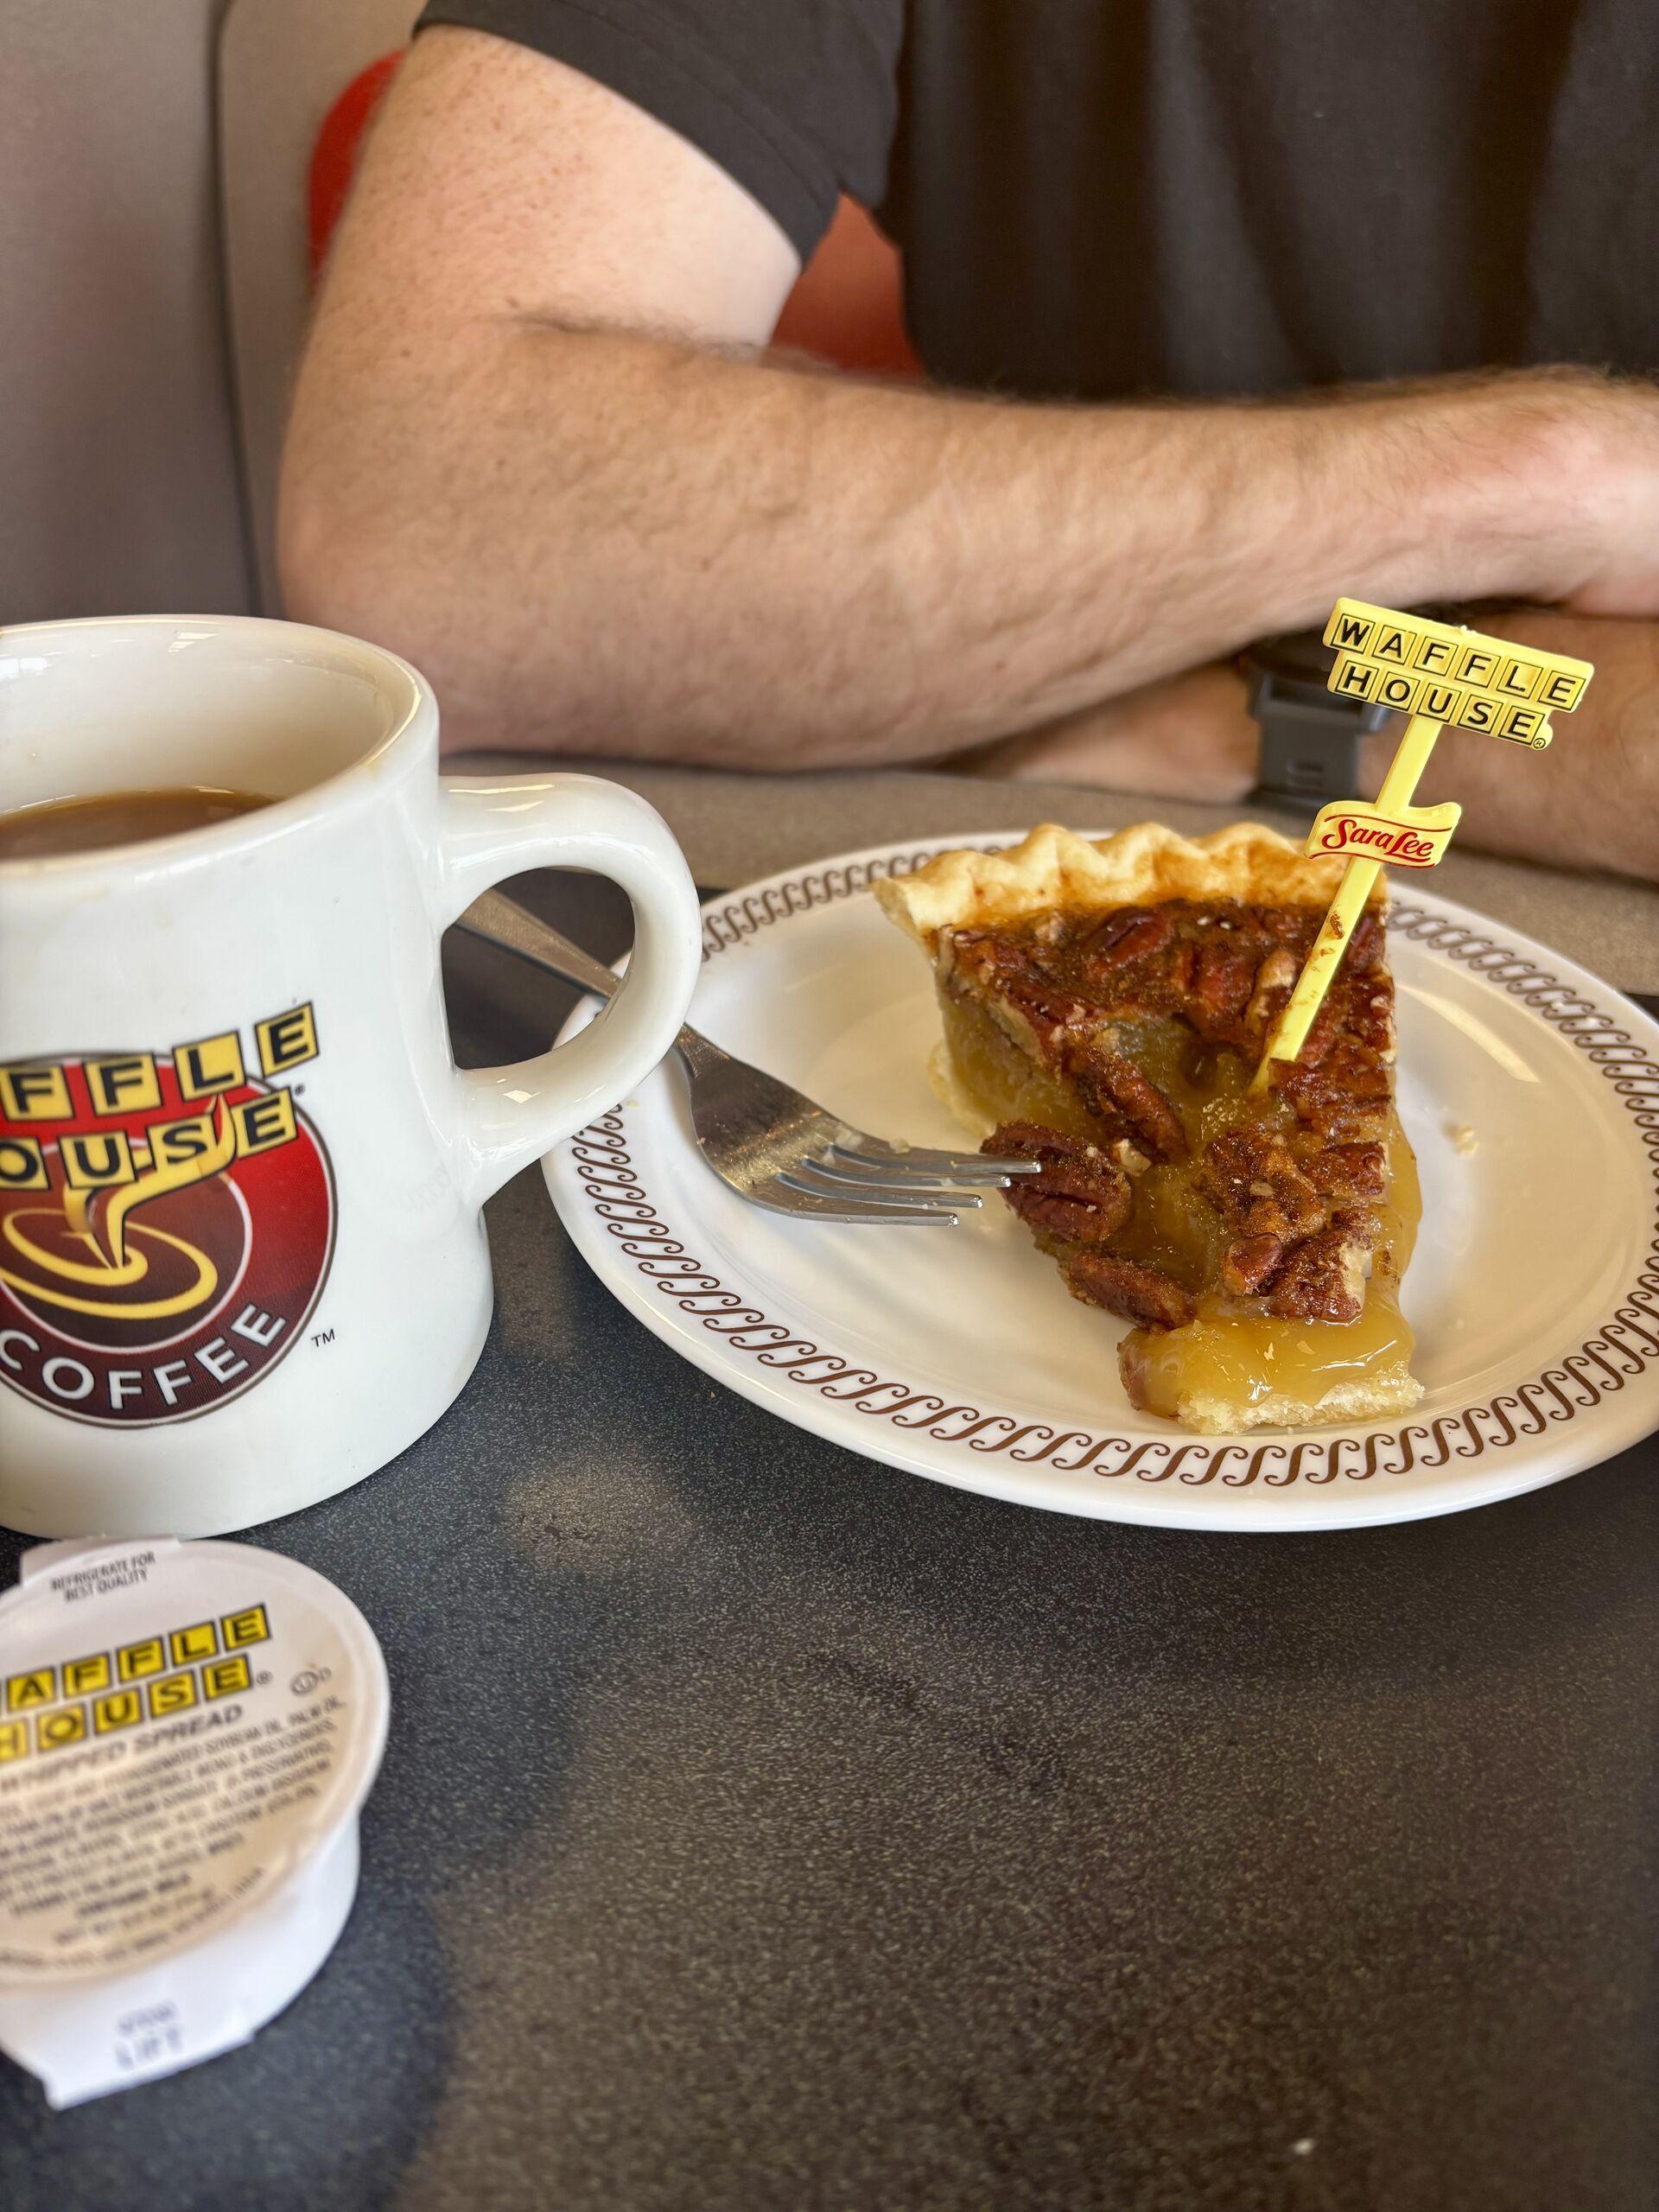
(1255, 1242)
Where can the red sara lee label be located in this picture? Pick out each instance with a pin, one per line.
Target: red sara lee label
(167, 1220)
(1415, 837)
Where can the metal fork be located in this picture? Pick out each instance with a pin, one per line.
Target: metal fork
(772, 1145)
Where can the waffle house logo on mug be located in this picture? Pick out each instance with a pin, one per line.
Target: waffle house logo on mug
(167, 1220)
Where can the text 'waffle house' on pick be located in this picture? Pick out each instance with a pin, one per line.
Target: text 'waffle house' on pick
(1416, 666)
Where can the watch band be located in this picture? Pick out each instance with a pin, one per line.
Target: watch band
(1309, 743)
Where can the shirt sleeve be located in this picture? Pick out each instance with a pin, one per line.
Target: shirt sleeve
(795, 99)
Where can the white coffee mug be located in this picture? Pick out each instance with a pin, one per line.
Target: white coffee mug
(242, 1262)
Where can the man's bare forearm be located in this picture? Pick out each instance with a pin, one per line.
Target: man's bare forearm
(668, 545)
(625, 545)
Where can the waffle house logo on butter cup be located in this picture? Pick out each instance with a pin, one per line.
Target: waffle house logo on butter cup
(156, 1676)
(167, 1220)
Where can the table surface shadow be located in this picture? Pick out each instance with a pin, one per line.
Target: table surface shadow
(764, 1828)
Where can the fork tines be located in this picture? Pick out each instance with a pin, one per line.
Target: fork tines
(874, 1182)
(784, 1194)
(893, 1163)
(823, 1180)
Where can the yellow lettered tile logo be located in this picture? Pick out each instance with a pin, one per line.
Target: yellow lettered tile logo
(22, 1164)
(133, 1660)
(1399, 692)
(263, 1122)
(1348, 630)
(249, 1626)
(127, 1085)
(1455, 676)
(33, 1094)
(82, 1676)
(1441, 702)
(211, 1064)
(224, 1677)
(1477, 663)
(199, 1641)
(1352, 678)
(286, 1040)
(120, 1709)
(36, 1687)
(1518, 679)
(96, 1159)
(54, 1731)
(1523, 724)
(173, 1693)
(1561, 691)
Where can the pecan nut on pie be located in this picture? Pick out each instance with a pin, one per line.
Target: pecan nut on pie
(1104, 1007)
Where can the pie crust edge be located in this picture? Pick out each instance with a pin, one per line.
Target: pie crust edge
(1144, 866)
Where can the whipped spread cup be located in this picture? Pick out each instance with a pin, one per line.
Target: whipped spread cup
(187, 1733)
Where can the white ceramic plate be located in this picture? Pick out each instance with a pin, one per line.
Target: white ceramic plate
(1529, 1089)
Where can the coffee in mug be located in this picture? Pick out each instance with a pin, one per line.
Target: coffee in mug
(85, 825)
(242, 1262)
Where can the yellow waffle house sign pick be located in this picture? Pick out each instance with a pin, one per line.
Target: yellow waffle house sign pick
(1437, 674)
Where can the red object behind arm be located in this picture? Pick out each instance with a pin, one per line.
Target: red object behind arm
(333, 158)
(848, 307)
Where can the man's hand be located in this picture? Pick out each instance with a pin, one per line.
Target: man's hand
(536, 446)
(1591, 800)
(1610, 565)
(1188, 736)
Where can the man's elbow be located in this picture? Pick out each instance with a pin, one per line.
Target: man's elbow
(333, 572)
(343, 573)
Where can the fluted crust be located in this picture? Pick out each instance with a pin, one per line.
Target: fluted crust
(1140, 867)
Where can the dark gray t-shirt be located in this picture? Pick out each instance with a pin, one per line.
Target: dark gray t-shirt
(1096, 198)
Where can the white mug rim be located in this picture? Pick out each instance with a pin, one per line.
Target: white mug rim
(141, 857)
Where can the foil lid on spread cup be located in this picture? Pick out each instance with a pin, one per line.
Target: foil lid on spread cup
(187, 1732)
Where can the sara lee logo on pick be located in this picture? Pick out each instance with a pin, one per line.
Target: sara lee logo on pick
(167, 1220)
(1415, 837)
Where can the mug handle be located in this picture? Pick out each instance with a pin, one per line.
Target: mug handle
(492, 827)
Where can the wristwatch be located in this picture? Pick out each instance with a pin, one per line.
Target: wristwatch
(1310, 742)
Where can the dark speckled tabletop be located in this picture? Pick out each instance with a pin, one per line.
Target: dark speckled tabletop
(763, 1828)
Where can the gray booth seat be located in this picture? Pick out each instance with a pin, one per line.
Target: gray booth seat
(153, 287)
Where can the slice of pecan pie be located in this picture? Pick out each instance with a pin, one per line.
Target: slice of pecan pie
(1104, 1007)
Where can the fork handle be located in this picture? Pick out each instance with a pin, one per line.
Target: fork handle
(504, 922)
